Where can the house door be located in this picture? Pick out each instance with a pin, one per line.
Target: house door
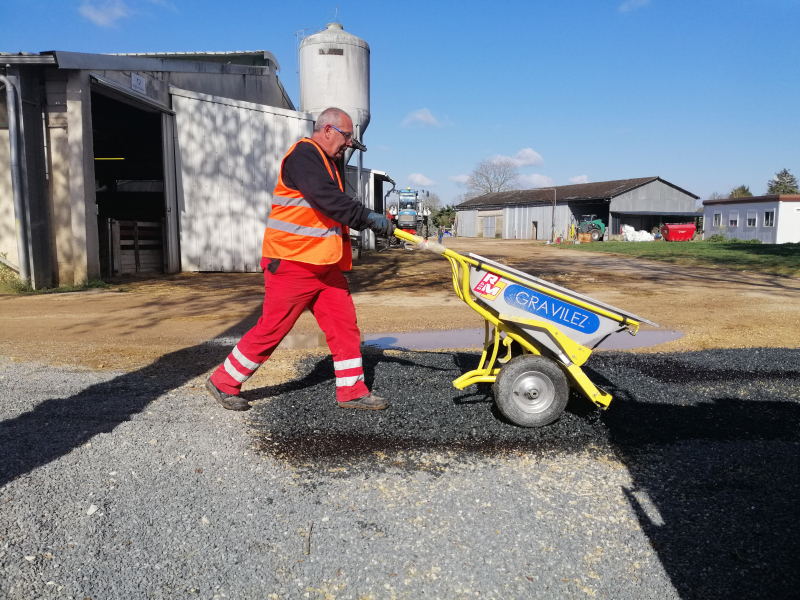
(534, 230)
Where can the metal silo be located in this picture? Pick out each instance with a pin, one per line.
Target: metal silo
(334, 71)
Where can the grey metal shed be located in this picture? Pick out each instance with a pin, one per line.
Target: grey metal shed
(529, 214)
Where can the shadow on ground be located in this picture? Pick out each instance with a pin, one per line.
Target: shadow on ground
(712, 443)
(58, 425)
(710, 440)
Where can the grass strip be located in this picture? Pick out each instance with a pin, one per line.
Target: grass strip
(10, 283)
(775, 259)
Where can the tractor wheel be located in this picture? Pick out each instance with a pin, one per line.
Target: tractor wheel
(596, 235)
(531, 391)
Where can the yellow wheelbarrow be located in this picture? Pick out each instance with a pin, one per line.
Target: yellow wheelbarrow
(537, 336)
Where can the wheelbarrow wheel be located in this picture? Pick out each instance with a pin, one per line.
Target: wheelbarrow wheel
(531, 391)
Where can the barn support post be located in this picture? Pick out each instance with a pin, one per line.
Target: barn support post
(20, 213)
(172, 257)
(83, 213)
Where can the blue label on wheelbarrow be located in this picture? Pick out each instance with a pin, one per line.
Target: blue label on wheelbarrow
(552, 309)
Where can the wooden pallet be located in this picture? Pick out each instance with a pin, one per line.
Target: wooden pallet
(135, 246)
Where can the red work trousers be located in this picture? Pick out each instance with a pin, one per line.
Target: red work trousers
(294, 287)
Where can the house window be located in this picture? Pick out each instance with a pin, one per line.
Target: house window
(751, 218)
(733, 219)
(717, 219)
(769, 218)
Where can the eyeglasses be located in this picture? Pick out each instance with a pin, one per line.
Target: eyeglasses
(347, 136)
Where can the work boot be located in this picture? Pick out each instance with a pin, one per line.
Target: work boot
(368, 402)
(226, 400)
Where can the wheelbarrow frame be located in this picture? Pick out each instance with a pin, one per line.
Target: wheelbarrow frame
(503, 329)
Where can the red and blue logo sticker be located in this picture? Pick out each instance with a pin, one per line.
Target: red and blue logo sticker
(490, 286)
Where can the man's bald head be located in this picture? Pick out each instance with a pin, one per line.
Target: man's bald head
(333, 132)
(331, 116)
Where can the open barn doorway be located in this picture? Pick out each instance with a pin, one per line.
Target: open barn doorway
(589, 211)
(129, 186)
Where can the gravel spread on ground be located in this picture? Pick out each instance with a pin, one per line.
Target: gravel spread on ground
(137, 485)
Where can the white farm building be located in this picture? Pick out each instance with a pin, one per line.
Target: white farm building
(771, 219)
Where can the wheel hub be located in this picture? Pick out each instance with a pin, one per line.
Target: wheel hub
(533, 392)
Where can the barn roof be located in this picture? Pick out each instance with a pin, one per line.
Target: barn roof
(753, 199)
(600, 191)
(254, 58)
(196, 62)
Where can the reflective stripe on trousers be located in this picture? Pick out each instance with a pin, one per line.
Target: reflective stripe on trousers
(290, 290)
(239, 367)
(348, 372)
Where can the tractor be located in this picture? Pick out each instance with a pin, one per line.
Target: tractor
(591, 224)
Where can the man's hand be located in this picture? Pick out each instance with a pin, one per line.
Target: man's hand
(380, 224)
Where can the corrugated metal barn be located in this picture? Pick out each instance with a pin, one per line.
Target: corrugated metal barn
(530, 214)
(106, 156)
(130, 163)
(230, 153)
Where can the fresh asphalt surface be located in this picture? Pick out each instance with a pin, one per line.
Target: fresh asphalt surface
(136, 485)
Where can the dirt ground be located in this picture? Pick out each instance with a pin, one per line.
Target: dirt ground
(140, 319)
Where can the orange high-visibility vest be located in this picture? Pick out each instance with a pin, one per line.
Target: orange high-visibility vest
(298, 231)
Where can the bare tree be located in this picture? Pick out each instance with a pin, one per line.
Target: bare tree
(433, 202)
(493, 175)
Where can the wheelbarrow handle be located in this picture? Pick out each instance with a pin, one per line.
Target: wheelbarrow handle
(424, 244)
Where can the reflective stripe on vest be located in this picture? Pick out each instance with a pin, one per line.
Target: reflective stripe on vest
(302, 229)
(297, 231)
(283, 201)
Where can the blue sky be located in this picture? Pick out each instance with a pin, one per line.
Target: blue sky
(704, 93)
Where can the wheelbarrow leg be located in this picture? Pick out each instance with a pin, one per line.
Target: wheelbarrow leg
(594, 393)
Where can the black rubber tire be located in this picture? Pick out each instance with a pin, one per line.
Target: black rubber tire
(531, 391)
(596, 235)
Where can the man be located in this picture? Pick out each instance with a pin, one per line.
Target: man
(306, 247)
(440, 233)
